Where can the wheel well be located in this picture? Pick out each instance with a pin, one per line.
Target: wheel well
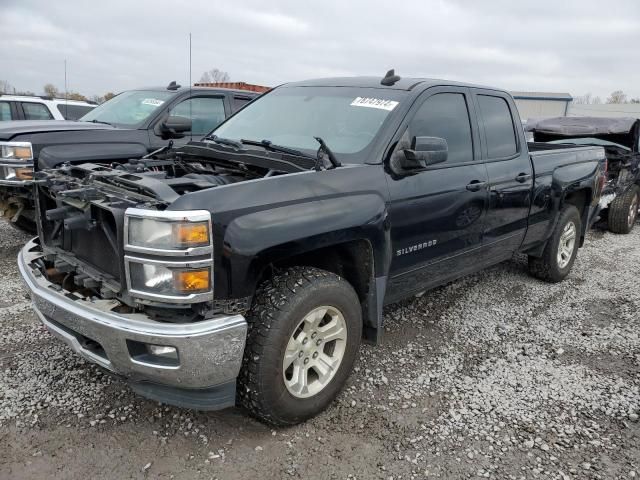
(352, 260)
(580, 199)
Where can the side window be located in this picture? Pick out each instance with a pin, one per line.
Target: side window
(5, 111)
(206, 113)
(498, 126)
(445, 115)
(36, 111)
(238, 102)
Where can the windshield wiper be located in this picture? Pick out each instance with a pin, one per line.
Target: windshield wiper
(323, 151)
(224, 141)
(99, 121)
(277, 148)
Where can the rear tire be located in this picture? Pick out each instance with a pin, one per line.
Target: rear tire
(623, 211)
(284, 379)
(561, 249)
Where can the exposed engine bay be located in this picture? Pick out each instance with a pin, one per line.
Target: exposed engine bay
(81, 211)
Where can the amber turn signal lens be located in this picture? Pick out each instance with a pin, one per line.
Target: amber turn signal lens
(22, 153)
(192, 234)
(192, 281)
(24, 173)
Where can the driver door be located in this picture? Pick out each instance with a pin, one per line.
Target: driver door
(437, 215)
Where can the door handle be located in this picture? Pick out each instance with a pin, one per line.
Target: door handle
(523, 177)
(476, 185)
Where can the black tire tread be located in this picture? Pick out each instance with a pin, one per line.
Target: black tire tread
(271, 299)
(545, 267)
(619, 209)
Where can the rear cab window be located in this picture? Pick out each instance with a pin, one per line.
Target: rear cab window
(36, 111)
(499, 130)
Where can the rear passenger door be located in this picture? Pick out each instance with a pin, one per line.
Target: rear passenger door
(437, 215)
(510, 174)
(239, 101)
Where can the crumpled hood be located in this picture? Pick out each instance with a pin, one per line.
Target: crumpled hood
(19, 127)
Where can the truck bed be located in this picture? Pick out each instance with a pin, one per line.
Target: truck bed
(546, 156)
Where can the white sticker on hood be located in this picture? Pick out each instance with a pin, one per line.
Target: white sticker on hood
(380, 103)
(152, 101)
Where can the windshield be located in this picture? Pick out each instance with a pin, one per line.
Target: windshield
(129, 109)
(347, 119)
(590, 141)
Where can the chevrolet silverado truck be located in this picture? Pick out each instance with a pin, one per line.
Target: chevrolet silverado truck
(132, 124)
(245, 268)
(620, 138)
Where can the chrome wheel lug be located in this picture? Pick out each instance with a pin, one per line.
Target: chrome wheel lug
(300, 354)
(315, 354)
(314, 335)
(306, 360)
(304, 341)
(319, 341)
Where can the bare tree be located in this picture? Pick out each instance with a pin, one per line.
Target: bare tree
(214, 76)
(634, 100)
(582, 99)
(109, 96)
(596, 101)
(617, 97)
(50, 90)
(6, 87)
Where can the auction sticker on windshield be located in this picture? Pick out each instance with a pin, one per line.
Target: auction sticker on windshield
(152, 101)
(380, 103)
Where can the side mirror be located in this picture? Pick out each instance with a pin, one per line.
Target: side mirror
(175, 126)
(424, 151)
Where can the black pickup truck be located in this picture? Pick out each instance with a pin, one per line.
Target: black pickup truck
(130, 125)
(620, 138)
(245, 268)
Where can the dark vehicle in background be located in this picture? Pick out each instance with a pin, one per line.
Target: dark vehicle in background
(620, 138)
(130, 125)
(246, 267)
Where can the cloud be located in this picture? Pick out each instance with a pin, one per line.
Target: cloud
(546, 45)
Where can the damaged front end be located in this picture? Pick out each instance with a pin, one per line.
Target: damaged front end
(107, 233)
(128, 283)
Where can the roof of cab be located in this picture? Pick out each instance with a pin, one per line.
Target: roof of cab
(405, 83)
(197, 89)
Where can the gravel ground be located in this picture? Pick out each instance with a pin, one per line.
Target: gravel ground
(496, 375)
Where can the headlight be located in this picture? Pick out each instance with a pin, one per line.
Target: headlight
(168, 281)
(16, 151)
(168, 232)
(168, 240)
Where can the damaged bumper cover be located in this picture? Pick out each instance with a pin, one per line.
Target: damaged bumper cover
(205, 356)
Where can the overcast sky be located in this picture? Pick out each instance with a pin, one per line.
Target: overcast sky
(544, 45)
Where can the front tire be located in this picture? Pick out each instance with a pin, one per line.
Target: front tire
(623, 211)
(561, 249)
(304, 332)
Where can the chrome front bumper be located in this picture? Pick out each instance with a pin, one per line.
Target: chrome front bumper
(209, 352)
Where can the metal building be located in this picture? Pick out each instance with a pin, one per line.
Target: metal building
(542, 104)
(605, 110)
